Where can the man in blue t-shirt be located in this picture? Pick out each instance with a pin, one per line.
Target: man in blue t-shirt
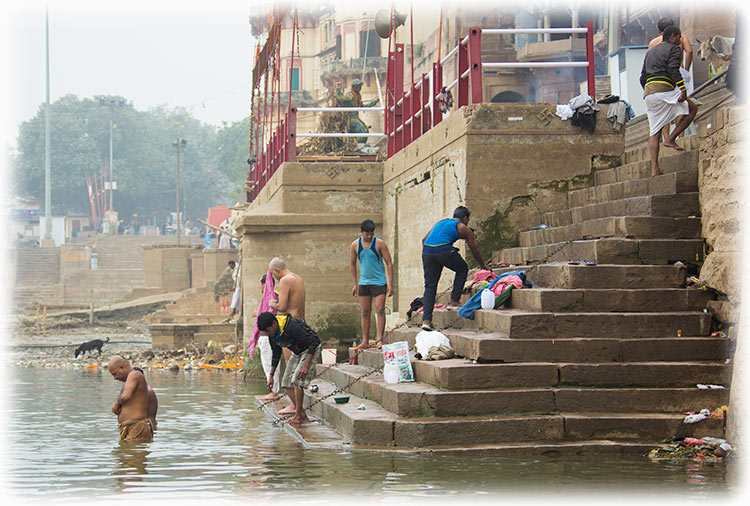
(438, 252)
(374, 263)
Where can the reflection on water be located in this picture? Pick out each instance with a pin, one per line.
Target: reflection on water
(212, 442)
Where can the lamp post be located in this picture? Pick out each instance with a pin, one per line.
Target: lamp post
(111, 102)
(47, 151)
(177, 143)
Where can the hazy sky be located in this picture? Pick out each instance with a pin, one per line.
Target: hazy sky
(192, 54)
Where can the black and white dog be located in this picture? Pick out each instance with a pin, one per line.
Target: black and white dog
(94, 344)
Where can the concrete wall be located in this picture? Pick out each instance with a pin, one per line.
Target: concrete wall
(167, 267)
(722, 186)
(508, 163)
(214, 263)
(308, 214)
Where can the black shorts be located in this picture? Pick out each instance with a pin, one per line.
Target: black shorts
(371, 290)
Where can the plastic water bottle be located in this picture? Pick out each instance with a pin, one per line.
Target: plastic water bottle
(488, 299)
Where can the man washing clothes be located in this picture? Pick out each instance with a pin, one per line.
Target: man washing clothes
(290, 299)
(438, 252)
(665, 94)
(295, 334)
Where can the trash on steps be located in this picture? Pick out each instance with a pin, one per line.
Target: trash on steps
(705, 449)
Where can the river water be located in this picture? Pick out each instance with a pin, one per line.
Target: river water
(212, 443)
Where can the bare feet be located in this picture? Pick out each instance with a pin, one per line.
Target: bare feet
(658, 172)
(672, 144)
(270, 397)
(299, 419)
(289, 410)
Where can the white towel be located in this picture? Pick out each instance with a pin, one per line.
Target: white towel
(664, 107)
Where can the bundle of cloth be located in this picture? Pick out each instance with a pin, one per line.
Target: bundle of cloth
(500, 285)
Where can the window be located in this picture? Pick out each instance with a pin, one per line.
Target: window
(371, 41)
(295, 79)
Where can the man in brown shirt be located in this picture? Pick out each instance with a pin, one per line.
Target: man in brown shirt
(131, 406)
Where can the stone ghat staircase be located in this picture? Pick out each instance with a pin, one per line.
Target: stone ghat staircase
(596, 359)
(119, 270)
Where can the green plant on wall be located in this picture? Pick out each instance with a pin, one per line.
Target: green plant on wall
(493, 234)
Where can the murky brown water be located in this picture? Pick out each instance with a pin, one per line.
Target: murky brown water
(212, 443)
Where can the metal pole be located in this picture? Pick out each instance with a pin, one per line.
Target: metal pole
(111, 166)
(177, 226)
(47, 154)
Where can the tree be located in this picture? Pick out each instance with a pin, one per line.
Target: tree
(144, 158)
(231, 154)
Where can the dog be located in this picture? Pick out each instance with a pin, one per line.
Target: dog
(94, 344)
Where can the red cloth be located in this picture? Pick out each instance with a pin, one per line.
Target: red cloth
(483, 275)
(268, 296)
(504, 283)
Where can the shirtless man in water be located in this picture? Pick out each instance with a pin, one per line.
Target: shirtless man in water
(291, 300)
(153, 402)
(131, 406)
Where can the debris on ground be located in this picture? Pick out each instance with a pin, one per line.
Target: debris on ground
(693, 417)
(705, 449)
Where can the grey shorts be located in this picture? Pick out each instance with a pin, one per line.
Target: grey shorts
(371, 290)
(293, 366)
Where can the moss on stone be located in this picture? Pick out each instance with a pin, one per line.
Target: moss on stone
(604, 162)
(496, 232)
(252, 369)
(340, 326)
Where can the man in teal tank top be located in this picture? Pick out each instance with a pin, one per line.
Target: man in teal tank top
(438, 252)
(373, 284)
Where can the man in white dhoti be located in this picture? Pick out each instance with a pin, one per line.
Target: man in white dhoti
(686, 64)
(665, 94)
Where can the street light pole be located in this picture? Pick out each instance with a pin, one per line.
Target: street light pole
(178, 143)
(111, 168)
(47, 153)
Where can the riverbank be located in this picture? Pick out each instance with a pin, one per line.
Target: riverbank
(29, 347)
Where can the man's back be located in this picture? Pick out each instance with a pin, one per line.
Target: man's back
(296, 294)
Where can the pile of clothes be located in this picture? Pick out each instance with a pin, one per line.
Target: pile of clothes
(500, 285)
(582, 109)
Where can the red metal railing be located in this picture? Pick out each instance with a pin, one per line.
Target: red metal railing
(410, 114)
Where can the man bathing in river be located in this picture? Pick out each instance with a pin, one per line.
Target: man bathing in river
(295, 334)
(291, 300)
(153, 402)
(131, 406)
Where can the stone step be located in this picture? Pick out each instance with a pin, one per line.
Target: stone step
(375, 426)
(460, 374)
(423, 400)
(562, 275)
(609, 300)
(520, 324)
(670, 206)
(640, 151)
(481, 346)
(637, 227)
(685, 181)
(528, 325)
(641, 169)
(608, 251)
